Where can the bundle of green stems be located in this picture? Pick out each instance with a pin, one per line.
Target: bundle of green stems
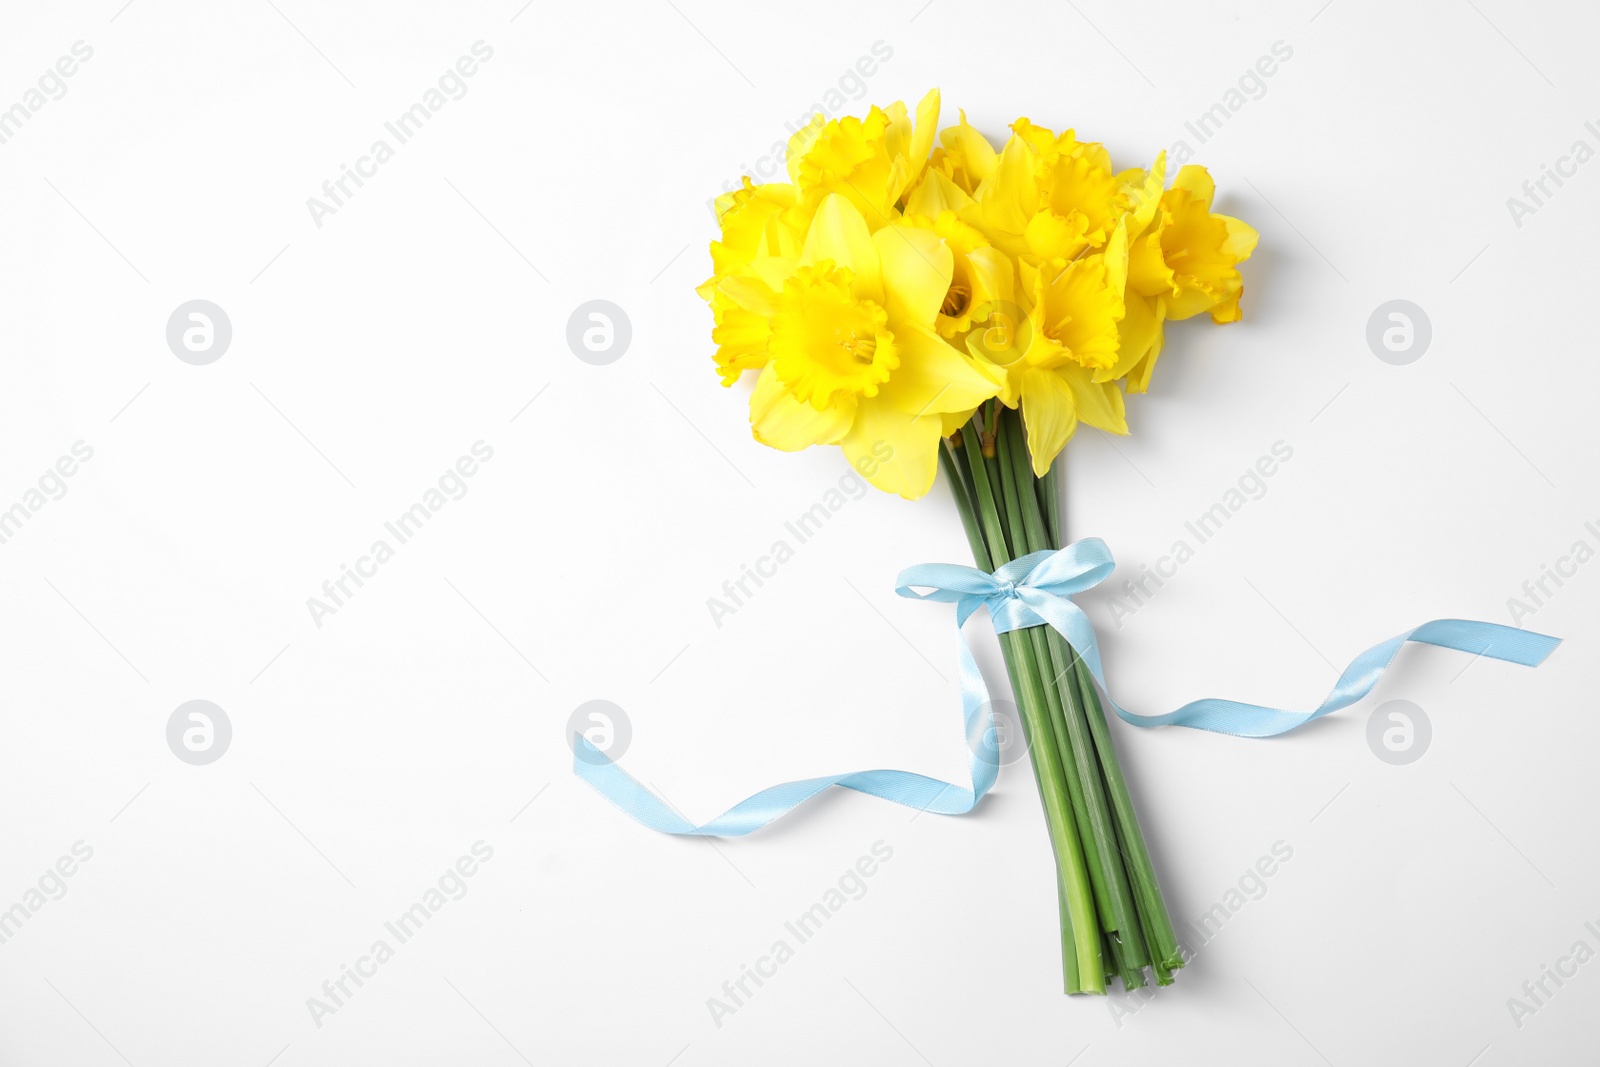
(1114, 923)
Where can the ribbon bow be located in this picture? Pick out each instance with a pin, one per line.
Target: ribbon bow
(1036, 590)
(1030, 591)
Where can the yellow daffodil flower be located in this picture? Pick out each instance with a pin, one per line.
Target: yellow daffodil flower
(979, 272)
(1182, 260)
(855, 358)
(763, 227)
(871, 161)
(1051, 358)
(965, 157)
(1050, 197)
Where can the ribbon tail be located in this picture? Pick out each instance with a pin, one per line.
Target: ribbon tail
(751, 814)
(1488, 639)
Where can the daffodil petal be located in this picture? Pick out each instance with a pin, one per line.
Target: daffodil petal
(1139, 332)
(922, 133)
(1049, 415)
(838, 232)
(1228, 310)
(1009, 196)
(963, 141)
(1149, 197)
(1098, 403)
(936, 194)
(1241, 239)
(799, 142)
(917, 267)
(992, 277)
(751, 294)
(897, 133)
(780, 421)
(951, 421)
(1148, 273)
(1139, 376)
(1053, 236)
(935, 377)
(1116, 258)
(896, 452)
(773, 270)
(1196, 181)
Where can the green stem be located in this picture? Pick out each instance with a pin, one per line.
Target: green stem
(1154, 920)
(956, 466)
(1072, 761)
(961, 489)
(1118, 911)
(1081, 956)
(1157, 923)
(1050, 501)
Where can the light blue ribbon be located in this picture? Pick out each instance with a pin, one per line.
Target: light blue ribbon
(1035, 591)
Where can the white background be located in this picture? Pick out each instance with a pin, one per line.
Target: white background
(371, 752)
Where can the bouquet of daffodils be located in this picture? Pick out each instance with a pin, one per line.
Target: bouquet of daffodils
(921, 305)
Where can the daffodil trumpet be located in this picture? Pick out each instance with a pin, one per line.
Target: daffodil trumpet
(916, 296)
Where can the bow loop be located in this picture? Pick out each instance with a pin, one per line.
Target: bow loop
(947, 583)
(1077, 568)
